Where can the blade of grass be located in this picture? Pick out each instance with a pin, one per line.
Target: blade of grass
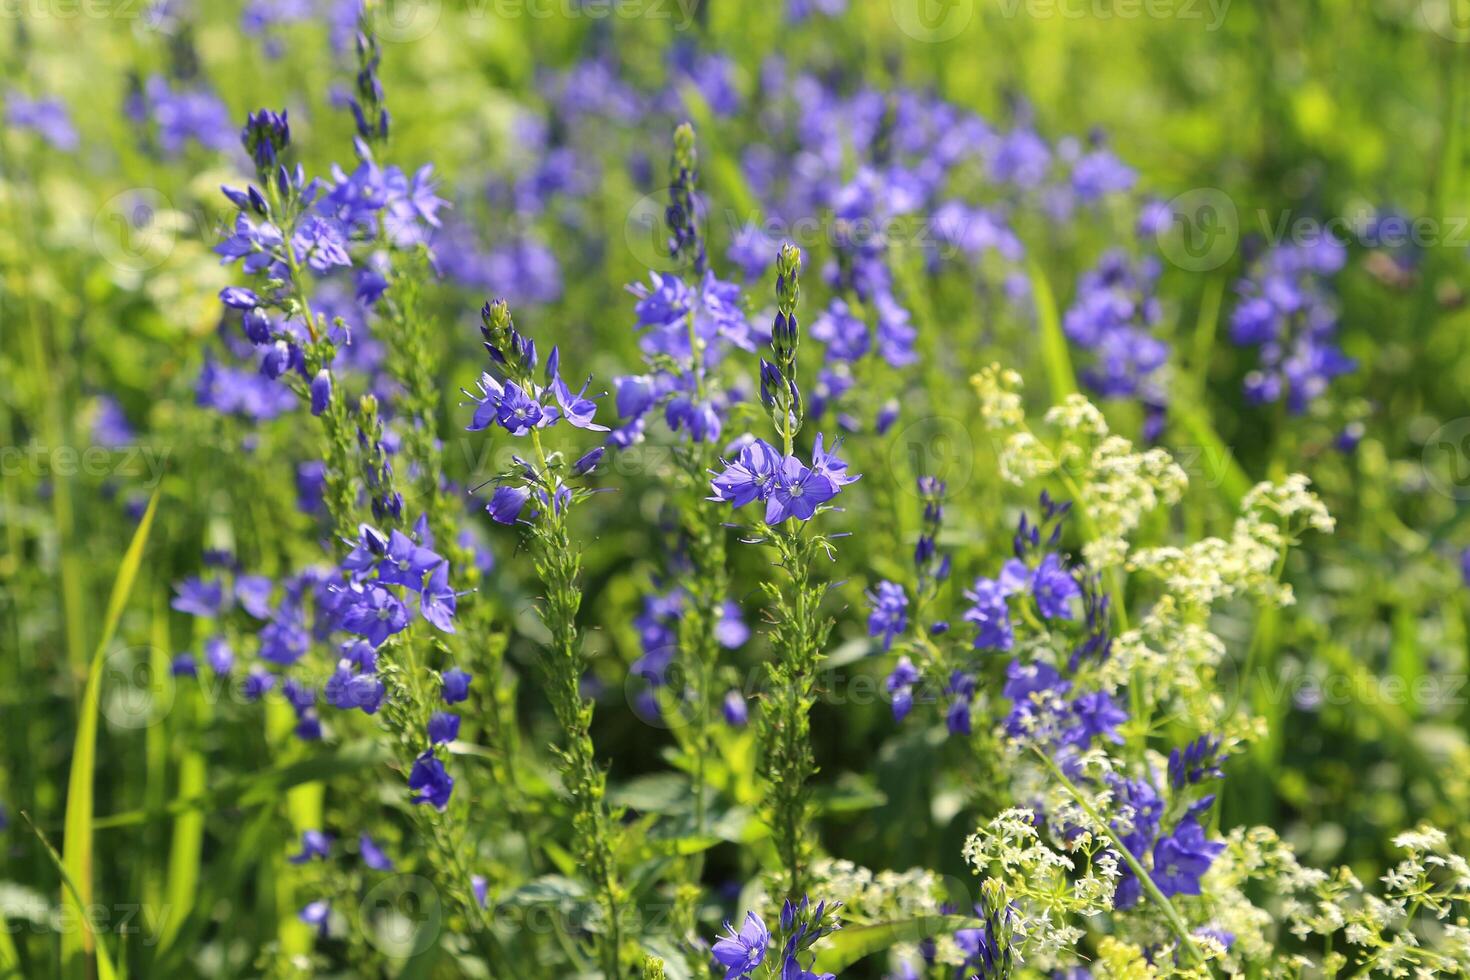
(1191, 415)
(105, 969)
(304, 811)
(1226, 473)
(1405, 654)
(78, 947)
(1444, 190)
(222, 884)
(258, 788)
(1054, 356)
(847, 946)
(184, 849)
(1205, 327)
(9, 955)
(52, 417)
(155, 755)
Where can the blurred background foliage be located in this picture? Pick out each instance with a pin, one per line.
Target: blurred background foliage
(1309, 109)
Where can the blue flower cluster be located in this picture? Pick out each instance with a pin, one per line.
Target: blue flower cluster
(428, 780)
(658, 632)
(883, 167)
(888, 616)
(1042, 714)
(658, 638)
(890, 612)
(522, 407)
(46, 117)
(180, 115)
(900, 687)
(1059, 595)
(687, 327)
(379, 569)
(787, 486)
(1045, 713)
(802, 926)
(1180, 858)
(368, 596)
(519, 266)
(1287, 313)
(285, 226)
(988, 949)
(1113, 317)
(317, 846)
(1059, 715)
(1196, 762)
(1050, 584)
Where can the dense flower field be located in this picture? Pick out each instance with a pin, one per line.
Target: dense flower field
(688, 489)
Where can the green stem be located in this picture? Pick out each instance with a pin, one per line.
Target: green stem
(558, 562)
(48, 380)
(786, 723)
(1144, 879)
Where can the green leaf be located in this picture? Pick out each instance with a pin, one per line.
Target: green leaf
(422, 965)
(1218, 459)
(9, 955)
(1204, 335)
(105, 969)
(259, 788)
(1054, 356)
(739, 825)
(848, 653)
(184, 848)
(559, 856)
(851, 794)
(663, 792)
(78, 946)
(846, 946)
(674, 966)
(221, 885)
(684, 845)
(564, 893)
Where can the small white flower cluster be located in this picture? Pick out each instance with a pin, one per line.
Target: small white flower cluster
(1172, 650)
(1114, 485)
(1407, 930)
(1049, 894)
(1061, 874)
(878, 896)
(1178, 659)
(1211, 570)
(1292, 503)
(1417, 926)
(870, 897)
(1119, 488)
(1000, 397)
